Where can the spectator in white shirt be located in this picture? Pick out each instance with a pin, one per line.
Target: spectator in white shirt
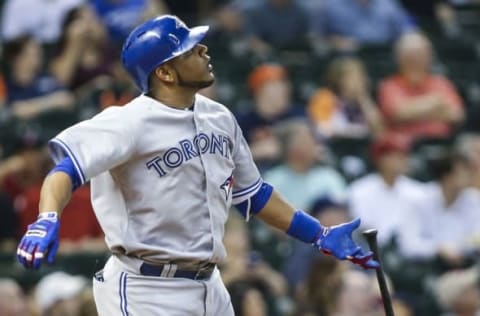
(447, 221)
(381, 198)
(40, 18)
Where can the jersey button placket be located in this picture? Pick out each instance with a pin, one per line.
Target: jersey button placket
(200, 127)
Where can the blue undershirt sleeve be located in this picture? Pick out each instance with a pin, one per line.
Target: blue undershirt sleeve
(257, 202)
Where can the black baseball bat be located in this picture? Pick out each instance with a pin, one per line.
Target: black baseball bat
(371, 237)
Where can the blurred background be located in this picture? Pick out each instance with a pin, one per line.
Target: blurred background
(352, 108)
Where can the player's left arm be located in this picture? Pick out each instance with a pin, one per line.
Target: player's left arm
(252, 196)
(270, 207)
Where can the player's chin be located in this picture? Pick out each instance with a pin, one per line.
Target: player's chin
(209, 77)
(210, 74)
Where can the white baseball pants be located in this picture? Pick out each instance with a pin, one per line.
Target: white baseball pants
(123, 291)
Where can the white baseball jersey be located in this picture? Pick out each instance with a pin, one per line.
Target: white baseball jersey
(162, 179)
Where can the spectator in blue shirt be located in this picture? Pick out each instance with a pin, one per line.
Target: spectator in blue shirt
(346, 24)
(276, 23)
(121, 16)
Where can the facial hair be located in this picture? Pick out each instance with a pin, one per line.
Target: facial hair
(193, 84)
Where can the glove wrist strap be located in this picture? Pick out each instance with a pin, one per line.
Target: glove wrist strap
(50, 216)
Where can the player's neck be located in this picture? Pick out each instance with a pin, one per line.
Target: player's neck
(174, 99)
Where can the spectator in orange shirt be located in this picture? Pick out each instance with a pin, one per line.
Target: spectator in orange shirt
(345, 108)
(416, 102)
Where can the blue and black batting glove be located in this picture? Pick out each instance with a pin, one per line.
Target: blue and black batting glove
(40, 241)
(337, 241)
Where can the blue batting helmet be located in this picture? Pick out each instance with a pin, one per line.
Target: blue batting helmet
(156, 41)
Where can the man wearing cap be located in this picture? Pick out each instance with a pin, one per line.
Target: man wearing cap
(382, 198)
(272, 104)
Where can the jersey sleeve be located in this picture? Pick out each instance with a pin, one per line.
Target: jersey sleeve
(95, 145)
(246, 177)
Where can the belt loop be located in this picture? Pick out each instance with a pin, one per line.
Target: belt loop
(172, 270)
(165, 270)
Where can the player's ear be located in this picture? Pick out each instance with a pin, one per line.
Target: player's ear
(165, 74)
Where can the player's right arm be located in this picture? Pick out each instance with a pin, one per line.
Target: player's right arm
(56, 192)
(81, 152)
(41, 239)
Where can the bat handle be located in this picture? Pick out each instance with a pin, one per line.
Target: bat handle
(371, 237)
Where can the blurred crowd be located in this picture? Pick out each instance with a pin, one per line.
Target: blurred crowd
(352, 108)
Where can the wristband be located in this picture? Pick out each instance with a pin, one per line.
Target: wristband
(304, 227)
(49, 216)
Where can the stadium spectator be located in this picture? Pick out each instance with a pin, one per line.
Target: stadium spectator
(446, 203)
(12, 300)
(227, 29)
(29, 91)
(399, 304)
(248, 267)
(62, 294)
(440, 11)
(271, 90)
(414, 101)
(193, 12)
(321, 300)
(300, 178)
(21, 176)
(381, 199)
(29, 165)
(244, 263)
(83, 55)
(41, 19)
(249, 298)
(120, 17)
(118, 90)
(329, 212)
(344, 108)
(347, 24)
(468, 145)
(356, 295)
(458, 292)
(265, 31)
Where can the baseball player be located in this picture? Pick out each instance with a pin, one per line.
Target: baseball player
(164, 171)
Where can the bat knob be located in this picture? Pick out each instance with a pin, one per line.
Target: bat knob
(370, 232)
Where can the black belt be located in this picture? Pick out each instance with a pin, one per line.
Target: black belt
(172, 271)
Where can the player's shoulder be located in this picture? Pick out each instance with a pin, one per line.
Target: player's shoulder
(122, 110)
(212, 105)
